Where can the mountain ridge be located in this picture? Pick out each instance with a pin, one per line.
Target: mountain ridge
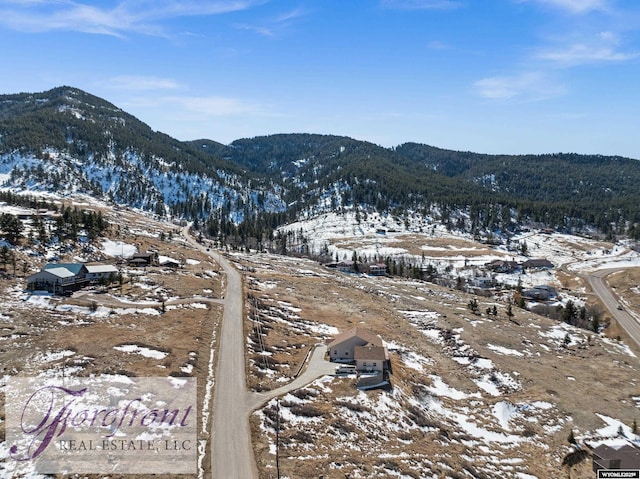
(68, 140)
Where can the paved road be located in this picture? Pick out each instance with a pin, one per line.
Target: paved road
(317, 367)
(601, 289)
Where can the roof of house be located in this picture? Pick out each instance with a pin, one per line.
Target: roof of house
(346, 262)
(370, 352)
(137, 260)
(537, 263)
(144, 255)
(363, 333)
(60, 272)
(628, 454)
(101, 268)
(75, 268)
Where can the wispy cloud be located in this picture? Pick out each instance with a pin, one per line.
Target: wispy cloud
(530, 86)
(420, 4)
(271, 27)
(574, 6)
(200, 106)
(119, 19)
(438, 45)
(605, 47)
(141, 83)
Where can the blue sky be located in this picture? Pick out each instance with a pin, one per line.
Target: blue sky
(492, 76)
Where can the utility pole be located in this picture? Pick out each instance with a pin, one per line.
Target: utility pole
(278, 438)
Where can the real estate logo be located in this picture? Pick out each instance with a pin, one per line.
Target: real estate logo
(106, 424)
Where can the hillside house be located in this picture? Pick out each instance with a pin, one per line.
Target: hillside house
(346, 266)
(144, 259)
(624, 456)
(540, 293)
(502, 266)
(59, 278)
(370, 358)
(482, 282)
(378, 269)
(99, 272)
(361, 346)
(537, 264)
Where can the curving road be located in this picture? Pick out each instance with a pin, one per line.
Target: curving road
(600, 287)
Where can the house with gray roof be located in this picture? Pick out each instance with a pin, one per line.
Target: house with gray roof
(59, 278)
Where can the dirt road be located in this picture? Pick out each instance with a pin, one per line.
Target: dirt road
(232, 455)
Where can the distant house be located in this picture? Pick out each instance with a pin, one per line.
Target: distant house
(378, 269)
(144, 259)
(169, 263)
(59, 277)
(537, 264)
(361, 346)
(540, 293)
(482, 282)
(346, 266)
(625, 456)
(501, 266)
(98, 272)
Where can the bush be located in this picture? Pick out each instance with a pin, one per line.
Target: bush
(306, 410)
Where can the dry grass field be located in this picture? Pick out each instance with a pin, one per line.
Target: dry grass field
(471, 395)
(121, 331)
(439, 417)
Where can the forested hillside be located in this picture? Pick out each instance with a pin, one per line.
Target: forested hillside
(467, 190)
(67, 140)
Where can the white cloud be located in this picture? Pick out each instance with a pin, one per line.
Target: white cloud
(603, 48)
(574, 6)
(141, 83)
(143, 16)
(530, 86)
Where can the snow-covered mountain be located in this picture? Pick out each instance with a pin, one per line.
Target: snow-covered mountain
(67, 141)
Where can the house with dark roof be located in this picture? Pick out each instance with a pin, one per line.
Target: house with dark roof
(144, 259)
(537, 264)
(540, 293)
(378, 269)
(346, 266)
(502, 266)
(623, 456)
